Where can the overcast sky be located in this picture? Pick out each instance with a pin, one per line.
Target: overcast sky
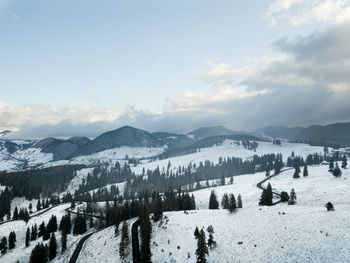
(82, 67)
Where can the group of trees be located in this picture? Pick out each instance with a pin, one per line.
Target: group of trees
(203, 246)
(31, 234)
(266, 196)
(229, 202)
(334, 167)
(4, 245)
(33, 183)
(22, 214)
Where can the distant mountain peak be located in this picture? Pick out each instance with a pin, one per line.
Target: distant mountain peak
(4, 133)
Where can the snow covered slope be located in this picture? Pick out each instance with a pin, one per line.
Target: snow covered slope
(305, 232)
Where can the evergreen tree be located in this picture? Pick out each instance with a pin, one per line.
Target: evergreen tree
(305, 172)
(211, 241)
(284, 196)
(331, 165)
(239, 201)
(12, 240)
(30, 208)
(52, 246)
(52, 224)
(158, 209)
(42, 229)
(266, 196)
(337, 172)
(225, 201)
(34, 233)
(146, 230)
(344, 162)
(3, 245)
(27, 237)
(79, 225)
(232, 205)
(64, 241)
(213, 202)
(72, 205)
(39, 254)
(296, 172)
(202, 248)
(292, 198)
(329, 206)
(38, 205)
(267, 172)
(124, 242)
(196, 233)
(117, 221)
(15, 214)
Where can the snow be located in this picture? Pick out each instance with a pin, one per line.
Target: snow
(77, 180)
(229, 149)
(103, 247)
(20, 252)
(305, 233)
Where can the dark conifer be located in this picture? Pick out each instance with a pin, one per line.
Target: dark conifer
(292, 198)
(202, 248)
(239, 201)
(225, 201)
(27, 237)
(124, 241)
(213, 202)
(52, 246)
(305, 172)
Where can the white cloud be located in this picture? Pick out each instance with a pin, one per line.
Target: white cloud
(299, 12)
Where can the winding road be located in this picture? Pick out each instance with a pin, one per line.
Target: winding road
(259, 185)
(135, 241)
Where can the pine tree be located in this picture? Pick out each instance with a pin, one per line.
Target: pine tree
(202, 248)
(296, 172)
(15, 214)
(12, 240)
(64, 241)
(52, 246)
(305, 172)
(146, 230)
(34, 233)
(39, 254)
(292, 198)
(158, 209)
(344, 162)
(239, 201)
(196, 233)
(232, 205)
(224, 201)
(211, 241)
(30, 208)
(52, 224)
(284, 196)
(42, 229)
(267, 173)
(124, 242)
(331, 165)
(38, 205)
(3, 245)
(266, 196)
(117, 221)
(213, 202)
(27, 237)
(337, 172)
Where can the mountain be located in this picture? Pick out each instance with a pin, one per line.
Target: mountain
(205, 132)
(4, 133)
(173, 140)
(124, 136)
(336, 134)
(280, 131)
(61, 149)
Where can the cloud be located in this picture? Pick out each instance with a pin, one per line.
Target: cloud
(299, 12)
(307, 83)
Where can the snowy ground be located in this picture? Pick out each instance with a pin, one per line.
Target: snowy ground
(230, 149)
(305, 233)
(20, 252)
(103, 247)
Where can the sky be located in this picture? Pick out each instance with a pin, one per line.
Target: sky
(70, 68)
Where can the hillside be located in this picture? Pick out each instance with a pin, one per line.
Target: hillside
(337, 134)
